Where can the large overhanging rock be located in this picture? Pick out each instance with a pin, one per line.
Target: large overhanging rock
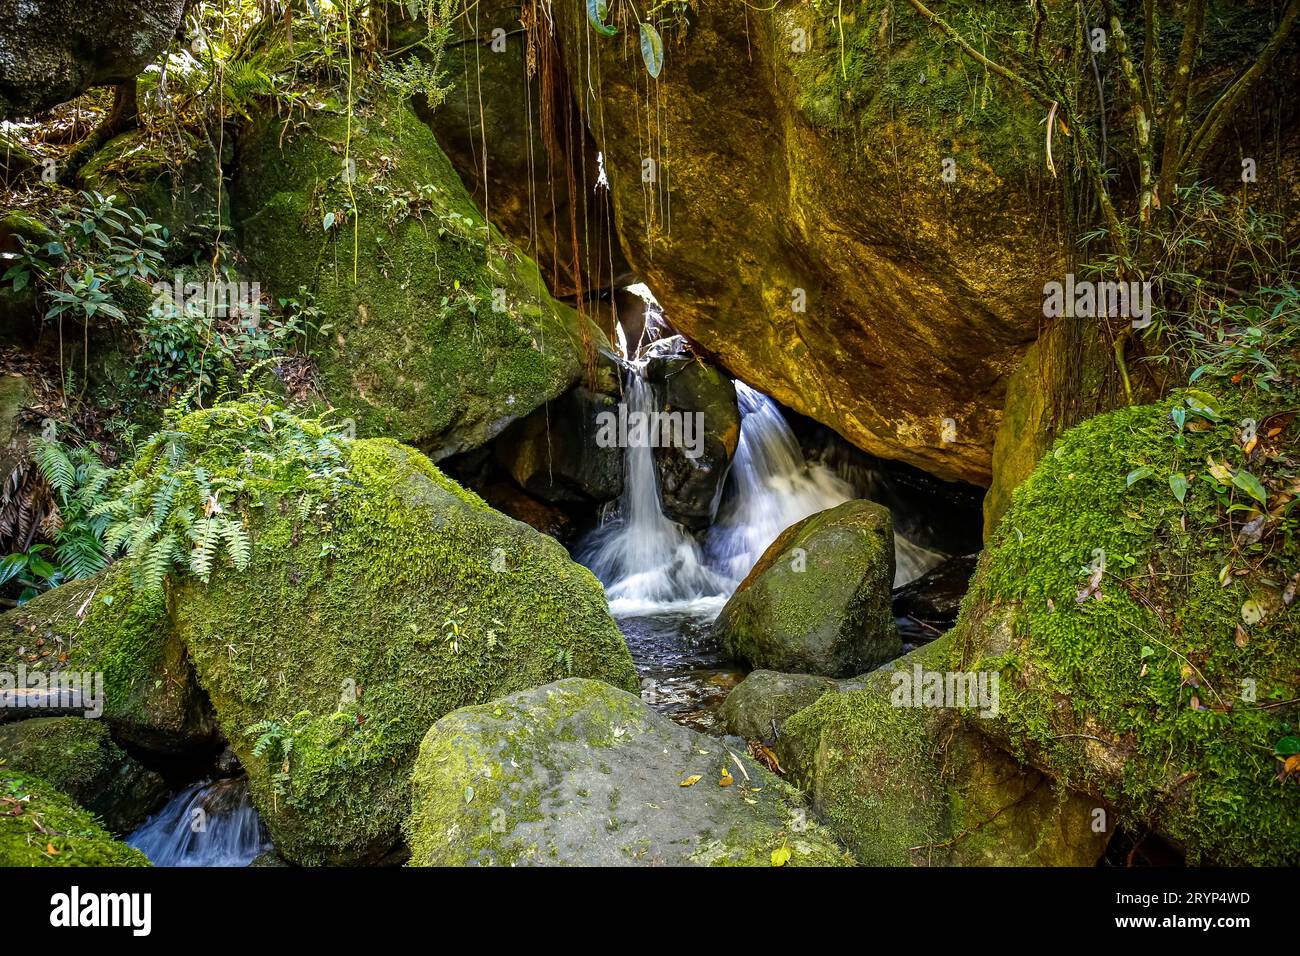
(784, 180)
(54, 50)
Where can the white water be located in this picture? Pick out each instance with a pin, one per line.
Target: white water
(649, 564)
(207, 824)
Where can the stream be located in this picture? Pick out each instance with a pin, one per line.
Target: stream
(665, 585)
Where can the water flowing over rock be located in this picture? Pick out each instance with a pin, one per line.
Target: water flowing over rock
(206, 824)
(53, 50)
(579, 773)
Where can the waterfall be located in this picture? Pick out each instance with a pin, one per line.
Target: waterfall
(647, 562)
(770, 487)
(206, 824)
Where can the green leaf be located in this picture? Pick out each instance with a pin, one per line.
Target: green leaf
(1287, 746)
(1180, 416)
(329, 221)
(652, 49)
(597, 11)
(1178, 484)
(1137, 474)
(1251, 486)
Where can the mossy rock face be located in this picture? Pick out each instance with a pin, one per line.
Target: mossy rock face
(1145, 643)
(817, 601)
(442, 333)
(581, 773)
(760, 704)
(355, 628)
(812, 241)
(78, 757)
(103, 626)
(39, 826)
(912, 786)
(173, 186)
(690, 485)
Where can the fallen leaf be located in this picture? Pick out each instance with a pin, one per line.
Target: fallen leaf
(691, 781)
(727, 779)
(1242, 638)
(781, 856)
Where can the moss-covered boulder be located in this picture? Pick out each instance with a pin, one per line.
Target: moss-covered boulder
(79, 758)
(581, 773)
(441, 332)
(1138, 601)
(104, 627)
(760, 704)
(378, 596)
(817, 601)
(692, 472)
(905, 785)
(174, 185)
(39, 826)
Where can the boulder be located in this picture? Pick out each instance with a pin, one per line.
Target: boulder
(103, 626)
(374, 603)
(691, 478)
(441, 333)
(760, 704)
(79, 758)
(554, 454)
(905, 785)
(1145, 639)
(39, 826)
(53, 50)
(581, 773)
(817, 601)
(867, 290)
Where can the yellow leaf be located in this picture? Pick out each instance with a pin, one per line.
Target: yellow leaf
(49, 848)
(781, 856)
(727, 779)
(690, 781)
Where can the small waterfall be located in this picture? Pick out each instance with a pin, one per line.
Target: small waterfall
(206, 824)
(770, 487)
(647, 562)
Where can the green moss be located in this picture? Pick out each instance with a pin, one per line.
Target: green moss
(362, 621)
(39, 826)
(104, 626)
(1141, 691)
(417, 350)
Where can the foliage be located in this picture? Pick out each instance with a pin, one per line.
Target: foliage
(87, 266)
(183, 505)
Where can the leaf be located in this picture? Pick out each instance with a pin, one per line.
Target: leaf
(652, 49)
(1180, 416)
(328, 222)
(691, 781)
(1287, 746)
(1136, 475)
(1178, 484)
(727, 779)
(1251, 486)
(781, 856)
(1220, 470)
(1252, 612)
(597, 11)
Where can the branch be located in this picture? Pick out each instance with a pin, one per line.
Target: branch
(993, 67)
(1177, 118)
(1217, 119)
(1142, 110)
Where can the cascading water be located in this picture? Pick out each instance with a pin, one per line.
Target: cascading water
(647, 562)
(206, 824)
(769, 488)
